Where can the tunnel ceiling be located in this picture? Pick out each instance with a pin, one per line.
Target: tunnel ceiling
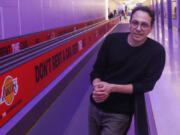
(130, 1)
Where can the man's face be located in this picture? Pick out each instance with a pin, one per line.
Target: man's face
(140, 26)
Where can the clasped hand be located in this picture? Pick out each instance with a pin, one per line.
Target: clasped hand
(101, 91)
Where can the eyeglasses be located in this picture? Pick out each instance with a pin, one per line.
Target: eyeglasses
(143, 25)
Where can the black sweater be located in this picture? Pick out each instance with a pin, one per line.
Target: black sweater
(119, 63)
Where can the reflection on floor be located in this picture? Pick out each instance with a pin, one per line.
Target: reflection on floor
(165, 98)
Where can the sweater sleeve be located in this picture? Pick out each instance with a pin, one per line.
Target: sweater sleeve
(101, 61)
(152, 74)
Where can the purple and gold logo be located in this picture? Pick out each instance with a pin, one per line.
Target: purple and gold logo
(9, 90)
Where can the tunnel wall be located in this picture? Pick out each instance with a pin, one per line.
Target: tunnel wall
(19, 17)
(112, 6)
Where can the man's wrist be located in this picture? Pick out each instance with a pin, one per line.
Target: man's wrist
(115, 88)
(126, 88)
(111, 88)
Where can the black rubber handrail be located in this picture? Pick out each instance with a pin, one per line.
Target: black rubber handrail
(144, 119)
(140, 116)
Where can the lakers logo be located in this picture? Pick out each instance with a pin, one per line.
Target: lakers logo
(9, 90)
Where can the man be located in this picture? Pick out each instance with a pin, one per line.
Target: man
(110, 15)
(127, 64)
